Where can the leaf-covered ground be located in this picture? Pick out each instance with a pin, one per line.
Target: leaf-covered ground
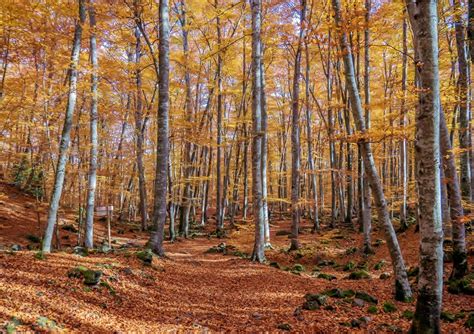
(197, 290)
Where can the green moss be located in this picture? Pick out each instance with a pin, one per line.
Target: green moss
(407, 314)
(328, 277)
(389, 307)
(349, 266)
(365, 296)
(317, 297)
(448, 316)
(470, 321)
(360, 274)
(338, 293)
(108, 287)
(40, 255)
(379, 265)
(298, 268)
(146, 256)
(284, 327)
(275, 265)
(372, 309)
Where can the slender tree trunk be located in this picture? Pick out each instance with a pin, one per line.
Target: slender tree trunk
(184, 219)
(403, 122)
(295, 138)
(402, 286)
(424, 19)
(455, 202)
(66, 132)
(264, 154)
(464, 108)
(140, 125)
(94, 116)
(366, 199)
(259, 245)
(162, 150)
(309, 139)
(219, 218)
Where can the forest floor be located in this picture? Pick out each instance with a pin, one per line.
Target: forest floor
(194, 290)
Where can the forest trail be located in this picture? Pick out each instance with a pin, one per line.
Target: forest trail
(194, 290)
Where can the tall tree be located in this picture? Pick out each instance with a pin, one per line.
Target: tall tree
(424, 21)
(66, 132)
(402, 286)
(295, 135)
(94, 117)
(464, 107)
(259, 217)
(162, 149)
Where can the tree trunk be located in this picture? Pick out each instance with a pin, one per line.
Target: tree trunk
(162, 150)
(424, 20)
(455, 202)
(402, 286)
(403, 122)
(66, 132)
(89, 237)
(259, 245)
(295, 137)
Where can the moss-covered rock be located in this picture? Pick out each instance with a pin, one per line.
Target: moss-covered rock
(407, 314)
(325, 276)
(448, 316)
(284, 327)
(318, 297)
(372, 309)
(359, 274)
(389, 307)
(338, 293)
(92, 277)
(275, 265)
(298, 268)
(365, 296)
(460, 286)
(379, 265)
(146, 256)
(384, 276)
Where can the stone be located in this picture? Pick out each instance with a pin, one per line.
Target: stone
(15, 248)
(358, 302)
(360, 274)
(284, 327)
(82, 251)
(366, 297)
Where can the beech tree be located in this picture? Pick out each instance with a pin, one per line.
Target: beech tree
(66, 133)
(424, 20)
(92, 183)
(402, 286)
(162, 149)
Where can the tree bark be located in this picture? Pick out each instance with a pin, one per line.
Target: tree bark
(259, 244)
(295, 137)
(66, 132)
(162, 150)
(402, 286)
(424, 20)
(94, 116)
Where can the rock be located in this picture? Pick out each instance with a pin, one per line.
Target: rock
(298, 313)
(328, 277)
(311, 305)
(104, 248)
(329, 308)
(92, 277)
(320, 298)
(407, 314)
(384, 276)
(389, 307)
(338, 293)
(82, 251)
(43, 323)
(146, 256)
(284, 327)
(257, 316)
(366, 297)
(358, 302)
(298, 268)
(360, 274)
(275, 265)
(127, 271)
(372, 309)
(379, 265)
(460, 286)
(15, 248)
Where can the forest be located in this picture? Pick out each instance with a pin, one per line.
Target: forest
(255, 166)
